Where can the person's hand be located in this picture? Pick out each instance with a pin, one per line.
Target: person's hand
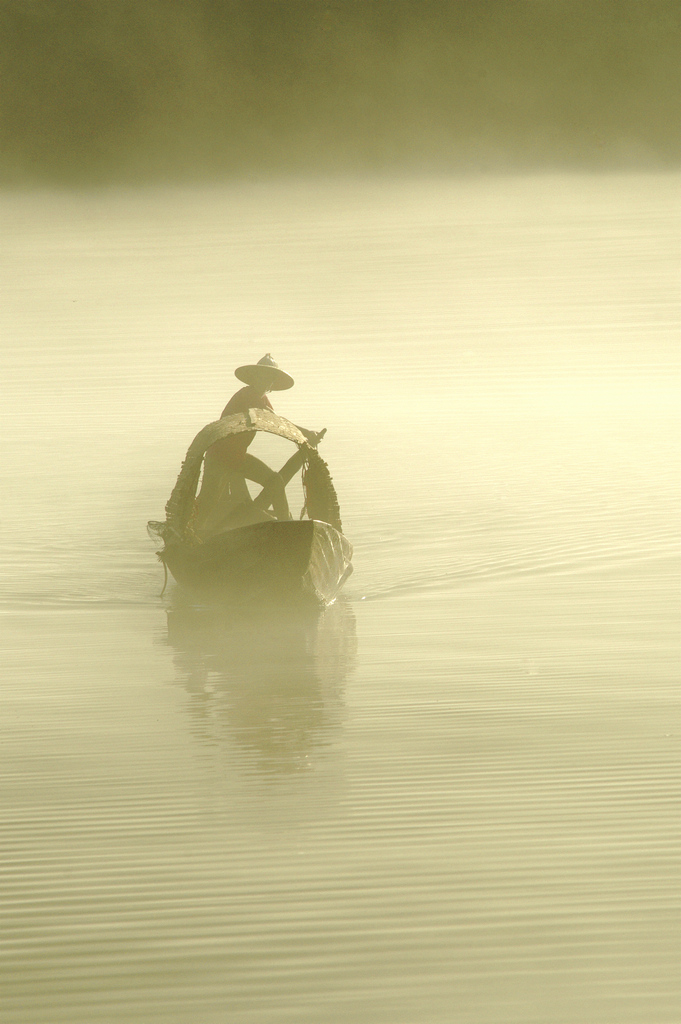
(313, 438)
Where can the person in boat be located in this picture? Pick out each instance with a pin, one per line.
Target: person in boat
(228, 463)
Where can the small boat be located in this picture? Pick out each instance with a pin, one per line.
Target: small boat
(237, 550)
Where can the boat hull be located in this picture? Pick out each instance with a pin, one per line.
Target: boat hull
(284, 562)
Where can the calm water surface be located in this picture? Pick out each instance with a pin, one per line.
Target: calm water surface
(451, 798)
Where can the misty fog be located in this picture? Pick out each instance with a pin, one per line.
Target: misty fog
(448, 797)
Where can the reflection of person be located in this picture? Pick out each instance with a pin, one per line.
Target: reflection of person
(228, 464)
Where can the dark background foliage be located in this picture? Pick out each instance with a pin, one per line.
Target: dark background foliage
(185, 89)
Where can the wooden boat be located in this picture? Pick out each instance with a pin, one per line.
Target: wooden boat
(238, 551)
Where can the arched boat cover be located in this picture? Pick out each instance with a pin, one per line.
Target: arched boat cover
(319, 485)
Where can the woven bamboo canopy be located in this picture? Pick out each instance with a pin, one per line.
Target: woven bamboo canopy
(322, 501)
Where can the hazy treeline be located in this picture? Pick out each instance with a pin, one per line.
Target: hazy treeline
(105, 90)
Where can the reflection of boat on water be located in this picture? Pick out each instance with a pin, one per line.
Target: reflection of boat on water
(238, 549)
(270, 683)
